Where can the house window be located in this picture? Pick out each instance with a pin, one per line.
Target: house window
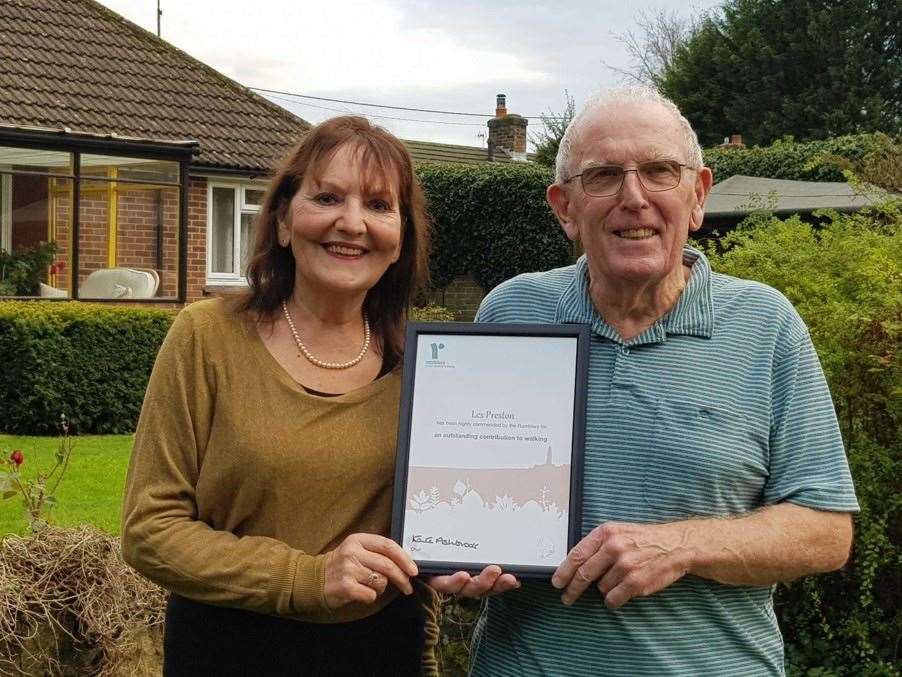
(232, 213)
(35, 211)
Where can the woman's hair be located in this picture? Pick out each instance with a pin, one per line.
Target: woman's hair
(384, 162)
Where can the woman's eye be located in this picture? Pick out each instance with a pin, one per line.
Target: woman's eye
(325, 199)
(380, 206)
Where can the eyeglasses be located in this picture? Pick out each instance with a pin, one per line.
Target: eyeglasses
(606, 180)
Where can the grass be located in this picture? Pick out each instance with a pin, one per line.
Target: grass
(91, 491)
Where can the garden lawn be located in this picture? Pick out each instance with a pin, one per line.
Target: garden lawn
(91, 491)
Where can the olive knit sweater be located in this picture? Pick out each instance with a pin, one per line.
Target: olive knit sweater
(240, 481)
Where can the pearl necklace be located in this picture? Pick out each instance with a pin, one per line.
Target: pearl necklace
(316, 361)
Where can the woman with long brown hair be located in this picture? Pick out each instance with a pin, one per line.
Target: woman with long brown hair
(259, 490)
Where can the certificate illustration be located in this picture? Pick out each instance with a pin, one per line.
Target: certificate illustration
(490, 445)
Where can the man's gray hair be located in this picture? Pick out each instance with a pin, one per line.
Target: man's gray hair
(593, 108)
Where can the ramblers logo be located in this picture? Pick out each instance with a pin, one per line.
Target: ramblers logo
(435, 350)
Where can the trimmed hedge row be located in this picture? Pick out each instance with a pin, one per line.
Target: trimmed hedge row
(811, 161)
(491, 222)
(89, 361)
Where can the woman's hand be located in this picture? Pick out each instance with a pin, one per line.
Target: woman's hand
(360, 569)
(490, 581)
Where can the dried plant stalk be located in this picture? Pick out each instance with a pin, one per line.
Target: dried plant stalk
(71, 588)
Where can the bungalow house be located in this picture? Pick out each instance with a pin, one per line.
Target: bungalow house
(144, 166)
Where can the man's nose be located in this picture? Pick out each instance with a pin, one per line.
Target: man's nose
(632, 192)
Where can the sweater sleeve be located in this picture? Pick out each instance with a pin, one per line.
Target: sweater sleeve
(161, 535)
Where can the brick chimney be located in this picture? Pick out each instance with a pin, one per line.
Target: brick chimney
(507, 131)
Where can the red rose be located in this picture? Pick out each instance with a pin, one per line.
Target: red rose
(17, 457)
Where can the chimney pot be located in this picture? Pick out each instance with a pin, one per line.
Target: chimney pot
(500, 106)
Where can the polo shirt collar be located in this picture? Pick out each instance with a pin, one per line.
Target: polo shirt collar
(692, 315)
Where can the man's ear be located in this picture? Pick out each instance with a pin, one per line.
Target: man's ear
(703, 181)
(559, 199)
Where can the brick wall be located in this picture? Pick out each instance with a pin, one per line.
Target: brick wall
(139, 211)
(92, 233)
(197, 237)
(61, 218)
(462, 297)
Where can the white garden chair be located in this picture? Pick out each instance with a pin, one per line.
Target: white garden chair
(120, 283)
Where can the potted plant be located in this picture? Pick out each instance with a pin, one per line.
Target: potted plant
(22, 271)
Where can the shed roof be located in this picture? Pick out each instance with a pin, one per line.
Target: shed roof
(739, 195)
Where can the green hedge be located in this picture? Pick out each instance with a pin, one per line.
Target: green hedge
(845, 279)
(811, 161)
(492, 222)
(88, 361)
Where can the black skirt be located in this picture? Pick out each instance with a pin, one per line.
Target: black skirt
(201, 639)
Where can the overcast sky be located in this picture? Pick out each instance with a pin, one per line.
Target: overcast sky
(435, 54)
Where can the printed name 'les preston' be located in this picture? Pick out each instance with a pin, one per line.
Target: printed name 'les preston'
(506, 415)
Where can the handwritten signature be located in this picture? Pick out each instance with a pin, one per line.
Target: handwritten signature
(441, 540)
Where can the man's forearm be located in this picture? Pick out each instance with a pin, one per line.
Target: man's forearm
(777, 543)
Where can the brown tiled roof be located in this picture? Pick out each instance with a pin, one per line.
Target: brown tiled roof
(76, 64)
(427, 151)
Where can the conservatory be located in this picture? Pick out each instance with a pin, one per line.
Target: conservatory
(92, 217)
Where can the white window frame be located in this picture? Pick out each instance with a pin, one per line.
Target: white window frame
(241, 207)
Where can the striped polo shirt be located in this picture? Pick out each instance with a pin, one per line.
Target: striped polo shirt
(719, 408)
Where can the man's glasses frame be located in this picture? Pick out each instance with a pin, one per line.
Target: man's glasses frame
(594, 192)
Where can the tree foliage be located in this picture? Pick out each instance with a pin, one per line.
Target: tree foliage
(552, 131)
(810, 69)
(845, 279)
(874, 158)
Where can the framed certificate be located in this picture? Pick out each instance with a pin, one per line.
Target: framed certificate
(490, 443)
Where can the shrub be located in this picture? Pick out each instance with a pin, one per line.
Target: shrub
(491, 222)
(785, 159)
(845, 279)
(88, 360)
(22, 269)
(431, 313)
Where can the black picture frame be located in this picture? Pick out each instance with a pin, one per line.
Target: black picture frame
(400, 505)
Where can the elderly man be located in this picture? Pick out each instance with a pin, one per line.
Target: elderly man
(714, 466)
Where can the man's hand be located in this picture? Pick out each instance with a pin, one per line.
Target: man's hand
(777, 543)
(627, 560)
(490, 581)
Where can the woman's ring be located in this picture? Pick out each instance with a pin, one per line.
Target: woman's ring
(372, 579)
